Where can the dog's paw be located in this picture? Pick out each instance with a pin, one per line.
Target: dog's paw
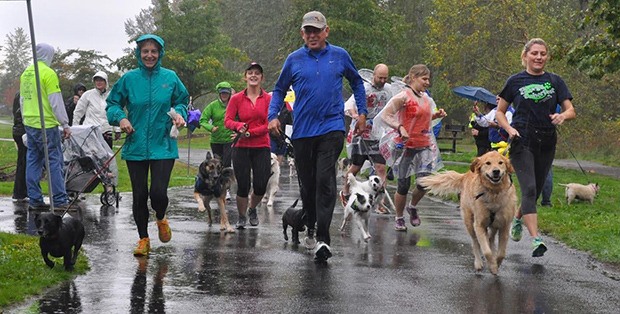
(478, 264)
(227, 229)
(202, 209)
(50, 264)
(367, 238)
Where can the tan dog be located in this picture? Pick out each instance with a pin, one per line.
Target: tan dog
(212, 182)
(578, 191)
(488, 202)
(273, 185)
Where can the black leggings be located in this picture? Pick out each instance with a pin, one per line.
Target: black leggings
(160, 178)
(532, 156)
(315, 159)
(255, 160)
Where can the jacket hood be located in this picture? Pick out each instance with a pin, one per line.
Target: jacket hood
(45, 53)
(156, 38)
(104, 76)
(77, 87)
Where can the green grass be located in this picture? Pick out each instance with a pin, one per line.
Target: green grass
(23, 271)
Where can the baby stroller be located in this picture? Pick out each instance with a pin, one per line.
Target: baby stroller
(88, 162)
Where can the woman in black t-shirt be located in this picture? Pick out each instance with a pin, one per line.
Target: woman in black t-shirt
(534, 94)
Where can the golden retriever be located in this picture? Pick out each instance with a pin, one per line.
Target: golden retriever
(488, 202)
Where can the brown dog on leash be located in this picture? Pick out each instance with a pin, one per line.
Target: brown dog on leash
(212, 182)
(488, 203)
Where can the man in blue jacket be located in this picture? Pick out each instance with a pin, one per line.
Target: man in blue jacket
(315, 71)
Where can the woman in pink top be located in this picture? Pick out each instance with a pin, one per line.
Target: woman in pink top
(246, 114)
(410, 113)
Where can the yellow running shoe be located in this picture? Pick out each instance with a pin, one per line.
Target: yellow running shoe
(165, 234)
(143, 248)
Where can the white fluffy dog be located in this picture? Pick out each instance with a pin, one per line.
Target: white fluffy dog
(581, 192)
(359, 205)
(274, 181)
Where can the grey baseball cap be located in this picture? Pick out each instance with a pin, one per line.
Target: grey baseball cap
(314, 19)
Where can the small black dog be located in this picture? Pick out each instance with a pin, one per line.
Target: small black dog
(296, 219)
(58, 236)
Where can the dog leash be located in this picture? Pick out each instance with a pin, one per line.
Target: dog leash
(572, 154)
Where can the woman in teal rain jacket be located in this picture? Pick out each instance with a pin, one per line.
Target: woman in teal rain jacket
(140, 103)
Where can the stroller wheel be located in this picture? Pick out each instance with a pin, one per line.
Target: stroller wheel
(109, 197)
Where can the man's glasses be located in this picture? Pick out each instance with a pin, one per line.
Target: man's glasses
(308, 30)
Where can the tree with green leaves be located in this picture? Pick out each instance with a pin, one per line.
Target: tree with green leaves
(368, 31)
(596, 53)
(196, 49)
(256, 30)
(18, 56)
(478, 42)
(78, 66)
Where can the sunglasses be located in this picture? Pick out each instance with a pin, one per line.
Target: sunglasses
(312, 30)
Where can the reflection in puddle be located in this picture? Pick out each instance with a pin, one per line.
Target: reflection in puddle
(65, 299)
(138, 297)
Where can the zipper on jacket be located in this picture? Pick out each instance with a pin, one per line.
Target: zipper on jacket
(148, 130)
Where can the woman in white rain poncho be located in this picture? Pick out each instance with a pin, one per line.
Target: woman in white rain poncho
(407, 140)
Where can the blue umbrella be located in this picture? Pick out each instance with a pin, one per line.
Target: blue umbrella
(475, 93)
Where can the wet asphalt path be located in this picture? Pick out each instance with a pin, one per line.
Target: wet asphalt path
(428, 269)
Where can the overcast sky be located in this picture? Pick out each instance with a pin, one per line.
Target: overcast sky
(66, 24)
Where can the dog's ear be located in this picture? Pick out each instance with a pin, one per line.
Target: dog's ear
(216, 156)
(509, 167)
(208, 156)
(475, 164)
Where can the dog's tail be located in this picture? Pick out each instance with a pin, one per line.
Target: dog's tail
(444, 183)
(294, 204)
(562, 184)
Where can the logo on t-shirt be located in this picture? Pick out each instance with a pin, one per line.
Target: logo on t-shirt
(537, 92)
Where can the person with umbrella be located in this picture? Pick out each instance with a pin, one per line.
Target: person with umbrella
(535, 94)
(479, 132)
